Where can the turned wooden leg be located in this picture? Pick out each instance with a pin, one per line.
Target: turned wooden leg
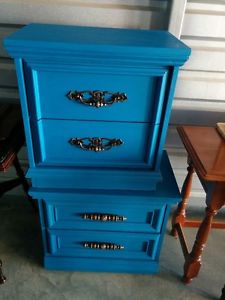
(193, 259)
(179, 214)
(2, 277)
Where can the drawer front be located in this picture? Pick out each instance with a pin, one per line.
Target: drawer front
(102, 244)
(103, 214)
(67, 143)
(144, 93)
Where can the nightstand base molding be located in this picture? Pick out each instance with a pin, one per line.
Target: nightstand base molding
(103, 265)
(84, 178)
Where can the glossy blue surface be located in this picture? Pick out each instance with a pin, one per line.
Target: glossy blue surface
(101, 265)
(141, 63)
(142, 92)
(38, 37)
(134, 151)
(70, 243)
(64, 230)
(68, 213)
(135, 179)
(94, 178)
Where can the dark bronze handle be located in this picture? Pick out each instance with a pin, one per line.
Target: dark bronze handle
(95, 144)
(102, 246)
(103, 217)
(97, 98)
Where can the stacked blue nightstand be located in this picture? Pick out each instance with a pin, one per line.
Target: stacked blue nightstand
(96, 104)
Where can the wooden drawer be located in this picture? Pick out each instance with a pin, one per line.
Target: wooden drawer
(102, 244)
(103, 212)
(135, 148)
(144, 92)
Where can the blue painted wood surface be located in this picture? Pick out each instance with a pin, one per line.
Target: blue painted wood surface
(141, 91)
(68, 213)
(86, 178)
(142, 234)
(93, 265)
(141, 63)
(71, 243)
(36, 38)
(134, 180)
(134, 151)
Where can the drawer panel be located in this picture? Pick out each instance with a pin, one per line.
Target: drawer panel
(137, 148)
(80, 243)
(145, 94)
(99, 212)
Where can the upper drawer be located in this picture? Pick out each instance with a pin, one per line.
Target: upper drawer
(103, 214)
(142, 95)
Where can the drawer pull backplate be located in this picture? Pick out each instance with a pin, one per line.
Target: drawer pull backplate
(95, 144)
(97, 98)
(103, 217)
(102, 246)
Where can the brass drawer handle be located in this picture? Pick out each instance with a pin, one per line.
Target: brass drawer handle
(103, 217)
(97, 98)
(95, 144)
(102, 246)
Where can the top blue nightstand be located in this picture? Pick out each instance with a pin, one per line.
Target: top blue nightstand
(96, 101)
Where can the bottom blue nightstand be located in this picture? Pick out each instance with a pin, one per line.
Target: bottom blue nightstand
(106, 230)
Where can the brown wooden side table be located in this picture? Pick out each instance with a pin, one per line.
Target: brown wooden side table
(206, 156)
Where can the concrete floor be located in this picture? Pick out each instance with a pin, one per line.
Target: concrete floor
(20, 250)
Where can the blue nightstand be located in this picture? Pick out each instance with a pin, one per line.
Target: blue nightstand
(96, 104)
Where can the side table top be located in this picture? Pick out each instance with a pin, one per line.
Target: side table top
(206, 148)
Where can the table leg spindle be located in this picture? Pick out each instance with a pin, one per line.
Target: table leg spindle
(179, 215)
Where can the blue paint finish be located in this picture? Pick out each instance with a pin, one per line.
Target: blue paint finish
(68, 214)
(141, 92)
(25, 111)
(134, 180)
(166, 189)
(166, 116)
(136, 138)
(43, 38)
(104, 265)
(86, 178)
(64, 230)
(70, 243)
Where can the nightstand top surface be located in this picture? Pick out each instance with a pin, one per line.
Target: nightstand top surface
(78, 38)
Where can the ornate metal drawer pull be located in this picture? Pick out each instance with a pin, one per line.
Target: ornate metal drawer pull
(103, 217)
(102, 246)
(97, 98)
(95, 144)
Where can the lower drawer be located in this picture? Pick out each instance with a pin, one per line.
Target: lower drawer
(96, 144)
(102, 244)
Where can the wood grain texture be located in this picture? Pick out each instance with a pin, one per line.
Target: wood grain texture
(207, 151)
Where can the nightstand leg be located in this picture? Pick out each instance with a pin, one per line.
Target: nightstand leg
(193, 259)
(179, 214)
